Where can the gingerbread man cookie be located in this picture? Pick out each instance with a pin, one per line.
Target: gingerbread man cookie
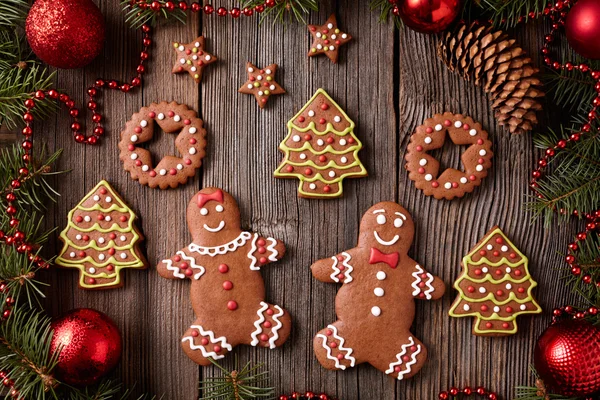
(380, 282)
(228, 292)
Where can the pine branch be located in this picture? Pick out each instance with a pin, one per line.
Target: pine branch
(571, 89)
(13, 13)
(538, 392)
(507, 13)
(285, 10)
(137, 16)
(385, 8)
(246, 383)
(588, 259)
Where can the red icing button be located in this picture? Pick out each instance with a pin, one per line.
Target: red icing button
(138, 163)
(329, 332)
(217, 348)
(86, 238)
(269, 312)
(187, 161)
(472, 177)
(152, 173)
(187, 121)
(397, 368)
(81, 254)
(406, 358)
(103, 191)
(193, 141)
(322, 121)
(499, 272)
(509, 309)
(327, 189)
(152, 114)
(518, 273)
(482, 253)
(173, 171)
(289, 168)
(137, 129)
(447, 122)
(227, 285)
(232, 305)
(333, 345)
(499, 240)
(223, 268)
(262, 260)
(262, 250)
(261, 242)
(92, 281)
(113, 236)
(421, 170)
(100, 217)
(512, 255)
(429, 130)
(470, 289)
(307, 137)
(330, 140)
(79, 218)
(204, 341)
(267, 324)
(484, 308)
(499, 293)
(264, 337)
(301, 119)
(176, 258)
(505, 325)
(308, 171)
(324, 106)
(435, 184)
(184, 265)
(171, 114)
(488, 325)
(195, 333)
(496, 253)
(111, 251)
(480, 141)
(322, 158)
(419, 148)
(123, 218)
(455, 184)
(340, 356)
(478, 272)
(351, 140)
(131, 147)
(466, 127)
(521, 290)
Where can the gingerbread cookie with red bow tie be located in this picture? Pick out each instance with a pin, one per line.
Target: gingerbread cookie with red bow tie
(375, 305)
(228, 292)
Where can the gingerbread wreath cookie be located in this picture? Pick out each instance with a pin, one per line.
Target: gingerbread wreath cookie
(228, 292)
(424, 169)
(495, 286)
(171, 171)
(101, 239)
(375, 305)
(192, 58)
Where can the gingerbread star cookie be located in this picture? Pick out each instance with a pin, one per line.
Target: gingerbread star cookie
(192, 57)
(328, 39)
(261, 83)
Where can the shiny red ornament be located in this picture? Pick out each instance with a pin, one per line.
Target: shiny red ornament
(582, 28)
(91, 346)
(65, 33)
(567, 358)
(429, 16)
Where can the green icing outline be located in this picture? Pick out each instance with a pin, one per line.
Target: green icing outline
(467, 260)
(80, 264)
(329, 128)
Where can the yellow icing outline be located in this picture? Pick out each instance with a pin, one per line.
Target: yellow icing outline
(80, 264)
(311, 126)
(467, 260)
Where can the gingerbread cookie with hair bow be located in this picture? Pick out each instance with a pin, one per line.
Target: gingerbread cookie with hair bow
(228, 292)
(375, 305)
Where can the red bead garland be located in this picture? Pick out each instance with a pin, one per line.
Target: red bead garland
(467, 391)
(208, 9)
(565, 311)
(9, 384)
(305, 396)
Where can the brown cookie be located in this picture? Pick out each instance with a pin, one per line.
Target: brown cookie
(101, 239)
(495, 286)
(320, 149)
(424, 169)
(171, 171)
(192, 58)
(375, 305)
(261, 83)
(228, 292)
(327, 39)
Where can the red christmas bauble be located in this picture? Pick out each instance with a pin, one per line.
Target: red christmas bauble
(65, 33)
(582, 28)
(429, 16)
(567, 358)
(90, 345)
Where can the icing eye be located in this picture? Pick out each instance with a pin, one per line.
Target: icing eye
(203, 211)
(219, 208)
(398, 222)
(381, 219)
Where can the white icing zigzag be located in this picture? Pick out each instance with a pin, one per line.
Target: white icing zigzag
(221, 341)
(347, 269)
(192, 263)
(409, 364)
(225, 248)
(270, 248)
(276, 327)
(417, 275)
(341, 347)
(260, 320)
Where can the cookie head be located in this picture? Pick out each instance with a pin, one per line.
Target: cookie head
(387, 226)
(213, 217)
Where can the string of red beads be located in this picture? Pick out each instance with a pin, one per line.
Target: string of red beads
(467, 391)
(306, 396)
(561, 312)
(9, 384)
(195, 7)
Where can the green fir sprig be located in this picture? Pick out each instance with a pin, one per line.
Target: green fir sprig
(13, 13)
(239, 384)
(385, 8)
(588, 259)
(136, 16)
(507, 13)
(539, 391)
(285, 10)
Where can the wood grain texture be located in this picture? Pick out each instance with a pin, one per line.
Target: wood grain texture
(388, 81)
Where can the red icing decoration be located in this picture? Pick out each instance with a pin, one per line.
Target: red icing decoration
(100, 217)
(480, 141)
(187, 161)
(103, 191)
(482, 253)
(496, 253)
(79, 218)
(488, 325)
(187, 121)
(308, 171)
(521, 290)
(478, 271)
(183, 265)
(232, 305)
(498, 272)
(499, 293)
(340, 356)
(330, 140)
(455, 184)
(484, 308)
(327, 189)
(204, 341)
(111, 252)
(86, 238)
(176, 258)
(112, 236)
(262, 260)
(171, 114)
(227, 285)
(152, 173)
(264, 337)
(421, 170)
(301, 119)
(466, 127)
(517, 273)
(322, 121)
(505, 325)
(307, 137)
(470, 289)
(138, 163)
(435, 184)
(322, 158)
(429, 130)
(92, 281)
(269, 312)
(324, 106)
(110, 268)
(223, 268)
(267, 324)
(217, 195)
(329, 332)
(390, 259)
(123, 218)
(81, 254)
(473, 177)
(217, 348)
(512, 255)
(137, 129)
(152, 114)
(509, 309)
(447, 122)
(261, 242)
(195, 333)
(419, 148)
(262, 250)
(193, 141)
(173, 171)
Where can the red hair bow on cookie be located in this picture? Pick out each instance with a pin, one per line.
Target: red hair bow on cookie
(377, 257)
(204, 198)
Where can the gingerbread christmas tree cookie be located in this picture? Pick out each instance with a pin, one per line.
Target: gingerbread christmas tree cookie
(192, 58)
(495, 286)
(101, 239)
(328, 39)
(261, 83)
(320, 149)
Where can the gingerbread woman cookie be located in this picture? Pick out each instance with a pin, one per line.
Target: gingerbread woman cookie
(380, 282)
(228, 292)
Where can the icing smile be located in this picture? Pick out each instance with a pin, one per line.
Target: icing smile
(381, 241)
(217, 229)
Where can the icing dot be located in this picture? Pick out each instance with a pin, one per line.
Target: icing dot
(504, 248)
(250, 69)
(311, 113)
(312, 186)
(376, 311)
(463, 180)
(485, 270)
(143, 123)
(330, 26)
(319, 47)
(318, 34)
(296, 138)
(344, 36)
(78, 237)
(87, 218)
(466, 307)
(207, 58)
(428, 140)
(182, 60)
(344, 160)
(192, 130)
(490, 247)
(101, 240)
(482, 290)
(381, 275)
(479, 168)
(203, 211)
(331, 48)
(482, 152)
(72, 254)
(320, 142)
(192, 150)
(523, 307)
(337, 118)
(181, 48)
(343, 142)
(145, 168)
(250, 86)
(163, 172)
(177, 118)
(508, 270)
(508, 286)
(259, 77)
(179, 166)
(194, 57)
(96, 198)
(272, 87)
(123, 238)
(161, 116)
(193, 69)
(448, 185)
(123, 255)
(473, 132)
(134, 156)
(457, 124)
(108, 199)
(379, 292)
(331, 174)
(134, 138)
(220, 208)
(101, 257)
(268, 71)
(107, 218)
(422, 162)
(439, 127)
(92, 270)
(303, 156)
(428, 177)
(260, 92)
(496, 309)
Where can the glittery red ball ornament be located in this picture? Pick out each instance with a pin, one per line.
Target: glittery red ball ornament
(90, 345)
(582, 28)
(65, 33)
(428, 16)
(567, 358)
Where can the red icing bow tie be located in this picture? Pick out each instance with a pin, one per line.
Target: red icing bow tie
(390, 259)
(204, 198)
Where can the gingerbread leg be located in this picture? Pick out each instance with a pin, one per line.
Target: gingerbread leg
(409, 359)
(332, 349)
(200, 344)
(272, 326)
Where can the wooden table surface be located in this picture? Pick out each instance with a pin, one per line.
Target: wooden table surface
(388, 81)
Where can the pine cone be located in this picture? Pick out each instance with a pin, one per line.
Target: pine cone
(491, 60)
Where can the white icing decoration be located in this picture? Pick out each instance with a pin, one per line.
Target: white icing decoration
(92, 270)
(428, 140)
(341, 348)
(207, 354)
(376, 311)
(379, 292)
(473, 132)
(145, 168)
(250, 86)
(330, 26)
(347, 269)
(508, 286)
(181, 48)
(296, 138)
(381, 275)
(272, 87)
(332, 174)
(398, 222)
(192, 150)
(523, 307)
(482, 152)
(101, 240)
(192, 130)
(72, 254)
(463, 180)
(319, 46)
(428, 177)
(123, 238)
(194, 57)
(399, 356)
(96, 198)
(193, 69)
(320, 142)
(344, 36)
(457, 124)
(496, 309)
(163, 172)
(422, 162)
(302, 156)
(343, 142)
(448, 185)
(383, 242)
(108, 199)
(311, 113)
(192, 263)
(107, 218)
(101, 257)
(197, 44)
(87, 218)
(439, 127)
(222, 249)
(331, 48)
(333, 37)
(318, 34)
(134, 156)
(123, 256)
(490, 247)
(485, 270)
(261, 318)
(207, 58)
(143, 123)
(381, 219)
(344, 160)
(277, 326)
(78, 237)
(270, 247)
(415, 285)
(466, 307)
(312, 186)
(337, 118)
(180, 166)
(259, 78)
(479, 168)
(504, 248)
(260, 92)
(177, 118)
(161, 116)
(268, 71)
(482, 290)
(182, 60)
(250, 69)
(508, 270)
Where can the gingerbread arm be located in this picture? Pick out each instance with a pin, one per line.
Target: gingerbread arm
(334, 269)
(426, 286)
(180, 266)
(264, 250)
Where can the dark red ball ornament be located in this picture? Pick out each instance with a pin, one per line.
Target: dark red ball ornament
(65, 33)
(582, 28)
(90, 343)
(567, 358)
(428, 16)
